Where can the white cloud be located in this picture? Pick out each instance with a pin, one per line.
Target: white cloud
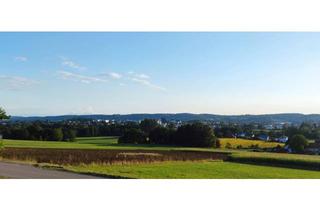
(15, 82)
(115, 75)
(21, 59)
(72, 64)
(144, 79)
(143, 76)
(79, 78)
(147, 83)
(141, 79)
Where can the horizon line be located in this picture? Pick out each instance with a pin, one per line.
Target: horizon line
(164, 113)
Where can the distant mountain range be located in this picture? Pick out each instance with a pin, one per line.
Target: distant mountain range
(265, 118)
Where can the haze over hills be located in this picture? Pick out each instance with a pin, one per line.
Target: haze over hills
(265, 118)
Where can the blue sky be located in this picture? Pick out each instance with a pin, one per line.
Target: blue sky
(107, 73)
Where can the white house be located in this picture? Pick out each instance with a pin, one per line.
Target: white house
(268, 127)
(282, 139)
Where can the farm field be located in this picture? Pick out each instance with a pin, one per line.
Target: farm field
(244, 143)
(195, 170)
(93, 143)
(85, 156)
(111, 143)
(242, 163)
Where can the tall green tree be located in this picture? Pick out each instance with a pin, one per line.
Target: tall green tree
(147, 125)
(3, 115)
(297, 143)
(69, 134)
(133, 136)
(196, 135)
(55, 134)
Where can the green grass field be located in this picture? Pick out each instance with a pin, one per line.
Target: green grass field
(282, 156)
(111, 143)
(195, 170)
(311, 162)
(93, 143)
(80, 143)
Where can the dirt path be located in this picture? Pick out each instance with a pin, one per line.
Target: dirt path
(24, 171)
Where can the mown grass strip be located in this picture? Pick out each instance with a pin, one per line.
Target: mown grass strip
(194, 170)
(309, 162)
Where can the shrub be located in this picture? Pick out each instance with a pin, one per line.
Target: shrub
(254, 146)
(239, 147)
(297, 143)
(218, 143)
(228, 146)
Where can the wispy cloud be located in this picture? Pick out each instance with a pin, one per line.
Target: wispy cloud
(21, 58)
(143, 79)
(142, 76)
(111, 75)
(139, 78)
(15, 82)
(147, 83)
(80, 78)
(71, 64)
(123, 79)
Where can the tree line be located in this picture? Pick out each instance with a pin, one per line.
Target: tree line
(61, 131)
(146, 132)
(191, 135)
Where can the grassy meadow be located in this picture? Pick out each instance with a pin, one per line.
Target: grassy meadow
(311, 162)
(195, 170)
(93, 143)
(111, 143)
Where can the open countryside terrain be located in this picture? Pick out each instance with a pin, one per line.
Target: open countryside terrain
(241, 163)
(112, 143)
(195, 170)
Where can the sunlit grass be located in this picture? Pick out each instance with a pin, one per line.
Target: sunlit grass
(195, 170)
(244, 143)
